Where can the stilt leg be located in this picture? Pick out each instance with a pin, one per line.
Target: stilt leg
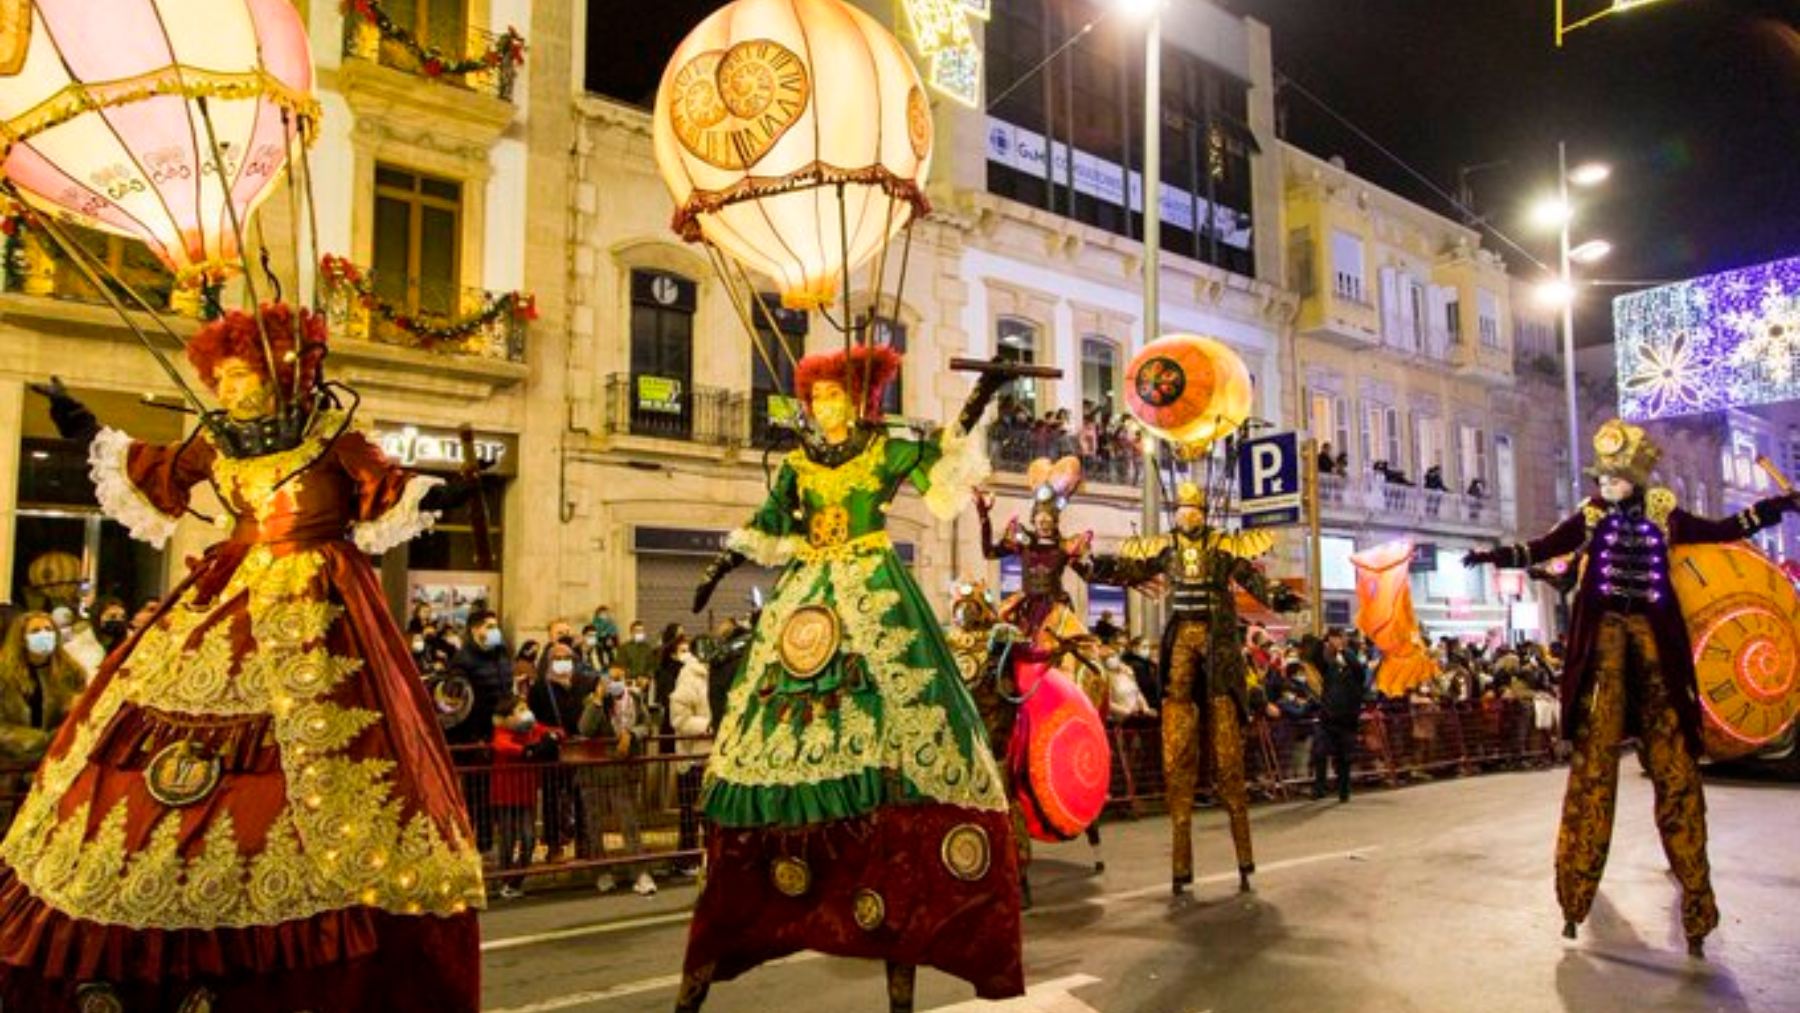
(900, 981)
(694, 985)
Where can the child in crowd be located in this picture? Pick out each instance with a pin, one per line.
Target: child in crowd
(519, 743)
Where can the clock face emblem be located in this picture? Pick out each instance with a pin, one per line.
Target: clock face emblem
(1610, 439)
(731, 106)
(1743, 620)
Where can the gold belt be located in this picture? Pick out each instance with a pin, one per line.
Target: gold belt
(873, 541)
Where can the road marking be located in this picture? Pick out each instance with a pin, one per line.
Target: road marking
(1045, 997)
(577, 932)
(630, 988)
(1107, 899)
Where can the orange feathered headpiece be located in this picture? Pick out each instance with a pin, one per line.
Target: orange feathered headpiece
(235, 336)
(869, 368)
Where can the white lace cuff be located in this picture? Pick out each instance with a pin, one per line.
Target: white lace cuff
(762, 548)
(118, 497)
(963, 466)
(402, 522)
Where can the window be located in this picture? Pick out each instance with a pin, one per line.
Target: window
(1347, 267)
(1016, 341)
(1488, 317)
(1391, 429)
(892, 333)
(1472, 448)
(1336, 572)
(1417, 321)
(1701, 505)
(1453, 316)
(417, 239)
(773, 405)
(662, 354)
(1428, 441)
(1381, 436)
(1100, 374)
(442, 24)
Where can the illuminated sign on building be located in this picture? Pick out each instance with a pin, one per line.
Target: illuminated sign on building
(940, 31)
(1726, 340)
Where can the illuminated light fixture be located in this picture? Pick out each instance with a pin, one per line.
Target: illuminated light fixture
(1590, 174)
(1551, 213)
(940, 32)
(1592, 251)
(1728, 340)
(1139, 8)
(1554, 293)
(1563, 28)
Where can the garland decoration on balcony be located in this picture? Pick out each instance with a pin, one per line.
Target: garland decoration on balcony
(507, 50)
(430, 330)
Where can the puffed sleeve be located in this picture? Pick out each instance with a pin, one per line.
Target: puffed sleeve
(945, 468)
(145, 486)
(387, 507)
(768, 539)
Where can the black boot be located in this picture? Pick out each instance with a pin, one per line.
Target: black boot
(1568, 930)
(694, 986)
(1244, 878)
(1024, 892)
(1697, 947)
(1179, 884)
(900, 980)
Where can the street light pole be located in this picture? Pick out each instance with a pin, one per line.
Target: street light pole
(1568, 327)
(1152, 235)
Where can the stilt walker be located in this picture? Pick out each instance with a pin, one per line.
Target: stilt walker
(1202, 660)
(1629, 669)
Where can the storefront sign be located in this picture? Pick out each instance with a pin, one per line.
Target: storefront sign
(433, 449)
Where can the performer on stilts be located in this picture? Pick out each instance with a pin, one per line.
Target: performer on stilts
(1202, 658)
(1041, 609)
(250, 807)
(854, 805)
(1628, 670)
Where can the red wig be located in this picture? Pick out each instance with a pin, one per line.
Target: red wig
(235, 336)
(878, 363)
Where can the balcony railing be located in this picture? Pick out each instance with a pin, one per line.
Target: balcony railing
(671, 408)
(1012, 450)
(364, 41)
(35, 266)
(500, 337)
(1377, 500)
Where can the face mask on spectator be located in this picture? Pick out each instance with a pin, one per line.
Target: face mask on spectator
(40, 641)
(493, 637)
(562, 666)
(418, 645)
(615, 688)
(637, 636)
(590, 639)
(522, 721)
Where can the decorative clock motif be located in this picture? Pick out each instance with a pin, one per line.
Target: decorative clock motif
(918, 122)
(1610, 439)
(1743, 620)
(731, 106)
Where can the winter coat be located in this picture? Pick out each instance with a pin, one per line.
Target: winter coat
(690, 710)
(513, 782)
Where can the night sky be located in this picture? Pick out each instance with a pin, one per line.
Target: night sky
(1695, 103)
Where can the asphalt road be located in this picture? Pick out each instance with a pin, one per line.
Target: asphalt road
(1437, 897)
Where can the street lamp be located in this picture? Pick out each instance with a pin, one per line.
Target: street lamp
(1556, 212)
(1151, 13)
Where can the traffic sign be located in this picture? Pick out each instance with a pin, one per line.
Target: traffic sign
(1269, 493)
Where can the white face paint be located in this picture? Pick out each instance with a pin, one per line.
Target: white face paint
(1614, 489)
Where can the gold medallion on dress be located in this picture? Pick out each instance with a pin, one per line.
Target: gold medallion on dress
(868, 909)
(966, 853)
(809, 640)
(791, 876)
(180, 774)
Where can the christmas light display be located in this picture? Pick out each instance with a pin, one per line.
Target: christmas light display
(1725, 340)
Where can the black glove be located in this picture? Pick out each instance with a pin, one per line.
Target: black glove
(450, 495)
(72, 418)
(1479, 556)
(986, 386)
(722, 564)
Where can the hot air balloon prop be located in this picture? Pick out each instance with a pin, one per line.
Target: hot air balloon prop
(1188, 389)
(164, 121)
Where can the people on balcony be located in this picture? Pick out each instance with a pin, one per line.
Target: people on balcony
(1327, 463)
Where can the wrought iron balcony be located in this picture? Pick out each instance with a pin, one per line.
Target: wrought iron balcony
(468, 313)
(671, 408)
(364, 41)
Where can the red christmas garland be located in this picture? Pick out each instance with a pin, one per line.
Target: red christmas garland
(508, 49)
(430, 331)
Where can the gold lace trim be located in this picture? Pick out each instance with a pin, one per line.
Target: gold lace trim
(833, 486)
(340, 841)
(874, 541)
(914, 738)
(253, 480)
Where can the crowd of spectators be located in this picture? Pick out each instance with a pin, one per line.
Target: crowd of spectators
(1107, 442)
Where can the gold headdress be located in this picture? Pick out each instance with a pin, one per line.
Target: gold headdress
(1187, 494)
(1624, 451)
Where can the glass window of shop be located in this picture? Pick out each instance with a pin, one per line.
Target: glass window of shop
(64, 549)
(1086, 100)
(662, 354)
(1016, 340)
(417, 231)
(1100, 374)
(779, 342)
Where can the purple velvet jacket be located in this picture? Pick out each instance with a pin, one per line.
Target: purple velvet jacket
(1590, 530)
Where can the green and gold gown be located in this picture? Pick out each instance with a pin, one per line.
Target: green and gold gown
(856, 807)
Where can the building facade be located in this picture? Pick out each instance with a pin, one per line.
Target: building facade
(1408, 363)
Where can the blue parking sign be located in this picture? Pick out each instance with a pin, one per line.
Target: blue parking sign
(1269, 493)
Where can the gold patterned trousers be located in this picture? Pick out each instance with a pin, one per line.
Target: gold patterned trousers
(1627, 672)
(1181, 753)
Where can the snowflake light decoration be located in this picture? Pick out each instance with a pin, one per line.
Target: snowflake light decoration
(1721, 341)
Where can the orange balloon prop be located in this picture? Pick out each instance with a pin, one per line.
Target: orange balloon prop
(1188, 389)
(1385, 615)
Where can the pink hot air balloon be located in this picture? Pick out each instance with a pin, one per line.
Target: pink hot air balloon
(1059, 759)
(101, 116)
